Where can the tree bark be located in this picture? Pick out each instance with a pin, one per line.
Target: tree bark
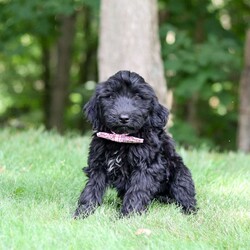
(244, 96)
(46, 77)
(59, 86)
(88, 65)
(193, 102)
(129, 41)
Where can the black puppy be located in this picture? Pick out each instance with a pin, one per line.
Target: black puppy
(131, 151)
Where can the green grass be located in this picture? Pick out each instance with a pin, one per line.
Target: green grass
(41, 179)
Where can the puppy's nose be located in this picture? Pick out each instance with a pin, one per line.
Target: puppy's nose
(124, 118)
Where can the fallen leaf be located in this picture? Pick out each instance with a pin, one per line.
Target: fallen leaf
(143, 231)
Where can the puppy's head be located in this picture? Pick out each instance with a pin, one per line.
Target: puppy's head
(124, 104)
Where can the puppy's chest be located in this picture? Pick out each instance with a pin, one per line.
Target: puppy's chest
(117, 163)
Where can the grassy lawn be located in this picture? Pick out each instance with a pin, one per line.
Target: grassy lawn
(41, 179)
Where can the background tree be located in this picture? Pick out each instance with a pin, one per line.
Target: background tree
(202, 59)
(129, 40)
(201, 45)
(239, 12)
(40, 35)
(244, 114)
(61, 79)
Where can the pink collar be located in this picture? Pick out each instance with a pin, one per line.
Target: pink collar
(122, 138)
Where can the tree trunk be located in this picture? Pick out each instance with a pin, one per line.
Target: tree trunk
(193, 102)
(60, 83)
(129, 41)
(244, 92)
(88, 65)
(46, 74)
(192, 112)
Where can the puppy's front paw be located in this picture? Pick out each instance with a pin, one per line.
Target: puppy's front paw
(190, 210)
(77, 214)
(82, 212)
(130, 210)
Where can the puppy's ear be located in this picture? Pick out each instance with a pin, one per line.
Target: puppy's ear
(159, 116)
(91, 111)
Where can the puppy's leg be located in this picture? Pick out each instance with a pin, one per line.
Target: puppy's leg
(140, 193)
(181, 186)
(92, 195)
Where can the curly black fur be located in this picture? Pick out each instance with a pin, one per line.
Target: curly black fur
(139, 172)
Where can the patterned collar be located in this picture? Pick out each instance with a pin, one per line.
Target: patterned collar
(122, 138)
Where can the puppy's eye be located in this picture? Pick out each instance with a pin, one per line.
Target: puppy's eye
(109, 96)
(138, 97)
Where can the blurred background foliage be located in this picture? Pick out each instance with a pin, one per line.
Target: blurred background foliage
(202, 48)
